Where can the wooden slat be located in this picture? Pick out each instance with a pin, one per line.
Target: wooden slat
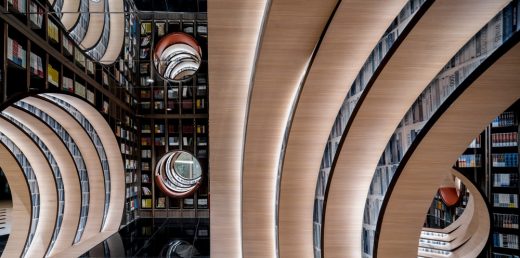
(234, 26)
(442, 30)
(352, 34)
(69, 175)
(487, 97)
(46, 186)
(292, 30)
(21, 199)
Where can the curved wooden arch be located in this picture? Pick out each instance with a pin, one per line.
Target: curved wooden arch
(231, 58)
(447, 135)
(91, 159)
(48, 210)
(291, 31)
(95, 25)
(22, 206)
(115, 162)
(340, 56)
(70, 10)
(69, 176)
(117, 31)
(415, 62)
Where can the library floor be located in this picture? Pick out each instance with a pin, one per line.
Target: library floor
(157, 238)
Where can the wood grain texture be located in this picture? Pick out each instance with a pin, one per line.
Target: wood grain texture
(70, 10)
(487, 97)
(46, 185)
(233, 26)
(438, 35)
(292, 30)
(95, 24)
(114, 158)
(352, 34)
(92, 163)
(21, 199)
(117, 31)
(69, 175)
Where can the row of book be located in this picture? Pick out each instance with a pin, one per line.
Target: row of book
(16, 53)
(19, 5)
(36, 15)
(505, 200)
(469, 161)
(505, 159)
(131, 191)
(504, 139)
(130, 177)
(505, 119)
(53, 76)
(53, 32)
(505, 240)
(130, 164)
(36, 65)
(505, 220)
(127, 149)
(505, 179)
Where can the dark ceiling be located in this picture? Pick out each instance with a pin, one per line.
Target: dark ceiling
(172, 5)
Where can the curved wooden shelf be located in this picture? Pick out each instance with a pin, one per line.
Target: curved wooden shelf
(231, 57)
(443, 29)
(71, 213)
(291, 31)
(21, 198)
(115, 162)
(92, 163)
(70, 10)
(47, 188)
(340, 56)
(95, 25)
(442, 140)
(117, 31)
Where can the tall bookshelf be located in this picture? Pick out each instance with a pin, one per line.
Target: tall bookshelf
(172, 115)
(39, 55)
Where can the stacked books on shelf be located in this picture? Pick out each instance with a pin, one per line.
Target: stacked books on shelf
(505, 220)
(504, 139)
(36, 15)
(505, 180)
(79, 89)
(16, 53)
(53, 31)
(505, 200)
(18, 5)
(36, 65)
(505, 159)
(53, 76)
(503, 120)
(68, 84)
(469, 161)
(67, 45)
(505, 240)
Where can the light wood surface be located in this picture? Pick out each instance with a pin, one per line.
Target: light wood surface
(234, 28)
(90, 157)
(117, 31)
(69, 175)
(46, 185)
(95, 24)
(353, 32)
(70, 10)
(486, 98)
(114, 158)
(21, 199)
(442, 30)
(292, 30)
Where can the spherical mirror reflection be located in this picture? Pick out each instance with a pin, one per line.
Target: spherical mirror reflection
(177, 57)
(187, 166)
(178, 173)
